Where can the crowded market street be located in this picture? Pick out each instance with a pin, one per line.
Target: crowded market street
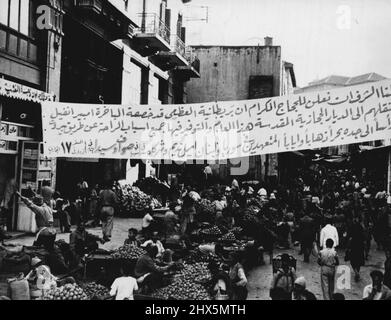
(195, 150)
(259, 279)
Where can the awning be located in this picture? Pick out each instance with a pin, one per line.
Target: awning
(370, 148)
(15, 90)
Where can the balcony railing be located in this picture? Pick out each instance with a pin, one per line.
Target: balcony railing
(178, 45)
(192, 58)
(151, 24)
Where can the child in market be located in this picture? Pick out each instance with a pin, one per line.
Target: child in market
(123, 288)
(132, 240)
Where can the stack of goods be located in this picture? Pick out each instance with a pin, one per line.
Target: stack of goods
(152, 185)
(197, 256)
(135, 199)
(213, 231)
(228, 237)
(128, 252)
(67, 292)
(205, 207)
(94, 290)
(186, 285)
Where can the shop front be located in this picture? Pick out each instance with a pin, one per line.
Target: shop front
(23, 167)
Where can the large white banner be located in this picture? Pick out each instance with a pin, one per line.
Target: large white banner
(219, 130)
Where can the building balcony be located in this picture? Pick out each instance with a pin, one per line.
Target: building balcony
(153, 35)
(104, 13)
(192, 69)
(169, 60)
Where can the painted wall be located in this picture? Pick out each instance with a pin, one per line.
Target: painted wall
(225, 71)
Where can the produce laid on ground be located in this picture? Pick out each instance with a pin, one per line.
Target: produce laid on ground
(185, 286)
(205, 206)
(67, 292)
(94, 290)
(213, 231)
(228, 237)
(197, 256)
(128, 252)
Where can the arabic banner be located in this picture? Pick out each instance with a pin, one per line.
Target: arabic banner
(219, 130)
(18, 91)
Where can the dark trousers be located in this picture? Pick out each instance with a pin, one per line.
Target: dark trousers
(240, 293)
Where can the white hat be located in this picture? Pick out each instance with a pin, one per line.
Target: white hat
(228, 189)
(315, 200)
(301, 282)
(35, 261)
(262, 192)
(356, 185)
(347, 183)
(364, 190)
(272, 196)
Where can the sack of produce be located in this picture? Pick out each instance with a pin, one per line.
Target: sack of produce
(19, 288)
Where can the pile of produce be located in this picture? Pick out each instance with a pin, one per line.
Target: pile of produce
(134, 199)
(93, 290)
(153, 186)
(67, 292)
(204, 206)
(213, 231)
(197, 256)
(228, 237)
(185, 286)
(128, 252)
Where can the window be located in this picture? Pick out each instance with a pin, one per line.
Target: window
(16, 15)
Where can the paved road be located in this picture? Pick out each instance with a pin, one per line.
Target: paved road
(259, 278)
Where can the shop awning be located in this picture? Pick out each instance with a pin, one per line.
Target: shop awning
(15, 90)
(370, 148)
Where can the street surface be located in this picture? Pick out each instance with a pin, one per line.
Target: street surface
(259, 279)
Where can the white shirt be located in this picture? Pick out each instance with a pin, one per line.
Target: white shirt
(123, 288)
(147, 220)
(329, 232)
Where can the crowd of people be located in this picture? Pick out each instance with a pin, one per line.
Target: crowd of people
(320, 210)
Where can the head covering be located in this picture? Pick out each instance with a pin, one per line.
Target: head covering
(228, 189)
(364, 190)
(315, 200)
(272, 196)
(35, 261)
(301, 282)
(250, 190)
(235, 184)
(356, 185)
(347, 183)
(262, 192)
